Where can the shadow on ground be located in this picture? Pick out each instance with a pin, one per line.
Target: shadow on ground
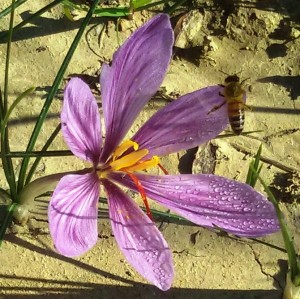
(136, 291)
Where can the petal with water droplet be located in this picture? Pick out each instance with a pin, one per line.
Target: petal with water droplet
(139, 239)
(243, 212)
(184, 123)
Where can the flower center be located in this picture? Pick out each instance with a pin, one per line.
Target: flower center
(128, 158)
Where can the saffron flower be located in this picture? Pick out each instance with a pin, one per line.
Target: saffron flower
(136, 72)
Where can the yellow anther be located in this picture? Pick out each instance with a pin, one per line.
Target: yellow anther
(144, 165)
(123, 147)
(128, 160)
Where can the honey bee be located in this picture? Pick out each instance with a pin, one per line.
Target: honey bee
(234, 95)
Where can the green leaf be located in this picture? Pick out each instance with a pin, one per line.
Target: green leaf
(288, 241)
(254, 164)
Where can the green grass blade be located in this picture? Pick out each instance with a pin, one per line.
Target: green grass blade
(139, 3)
(8, 48)
(147, 6)
(6, 161)
(32, 17)
(288, 241)
(249, 174)
(42, 153)
(53, 92)
(12, 107)
(7, 10)
(2, 114)
(115, 12)
(156, 213)
(234, 135)
(171, 9)
(257, 157)
(254, 164)
(6, 221)
(44, 149)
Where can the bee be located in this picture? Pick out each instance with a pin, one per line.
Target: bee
(234, 95)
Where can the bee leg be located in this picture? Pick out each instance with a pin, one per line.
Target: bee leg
(249, 108)
(216, 107)
(243, 82)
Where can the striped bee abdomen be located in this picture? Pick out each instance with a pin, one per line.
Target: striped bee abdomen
(236, 115)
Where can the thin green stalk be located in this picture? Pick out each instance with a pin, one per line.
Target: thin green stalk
(12, 107)
(51, 95)
(10, 32)
(36, 154)
(44, 149)
(8, 170)
(155, 212)
(6, 220)
(139, 8)
(6, 161)
(171, 9)
(114, 12)
(251, 176)
(139, 3)
(2, 114)
(32, 17)
(288, 241)
(7, 10)
(234, 135)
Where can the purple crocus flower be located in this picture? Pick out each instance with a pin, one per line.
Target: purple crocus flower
(137, 71)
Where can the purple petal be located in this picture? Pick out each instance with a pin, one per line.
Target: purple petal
(137, 70)
(80, 120)
(211, 201)
(72, 214)
(139, 239)
(185, 123)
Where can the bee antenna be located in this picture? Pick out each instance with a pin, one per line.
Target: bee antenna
(224, 72)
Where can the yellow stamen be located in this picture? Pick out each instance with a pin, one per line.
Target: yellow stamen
(144, 165)
(128, 160)
(122, 148)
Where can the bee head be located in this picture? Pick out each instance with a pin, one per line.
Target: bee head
(233, 78)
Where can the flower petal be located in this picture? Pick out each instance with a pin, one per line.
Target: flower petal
(185, 123)
(137, 70)
(211, 201)
(80, 120)
(72, 214)
(139, 239)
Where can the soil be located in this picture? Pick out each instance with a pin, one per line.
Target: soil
(259, 41)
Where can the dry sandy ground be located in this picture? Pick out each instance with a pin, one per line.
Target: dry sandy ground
(259, 40)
